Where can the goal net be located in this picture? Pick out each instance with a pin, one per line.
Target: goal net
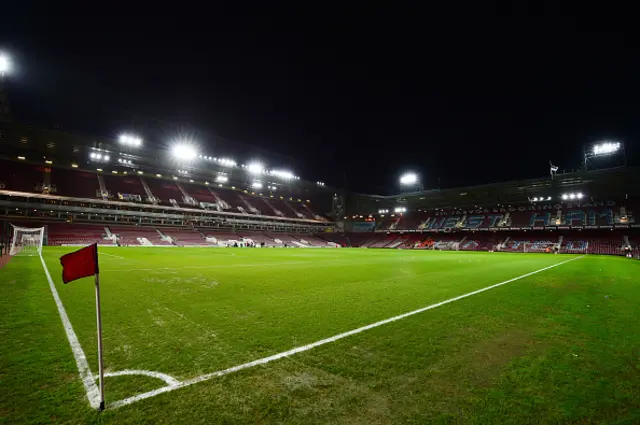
(27, 241)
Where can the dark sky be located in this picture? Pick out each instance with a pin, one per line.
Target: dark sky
(361, 94)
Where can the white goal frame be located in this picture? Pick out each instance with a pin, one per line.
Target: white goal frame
(27, 241)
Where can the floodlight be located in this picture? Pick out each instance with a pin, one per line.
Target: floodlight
(130, 140)
(107, 158)
(409, 178)
(548, 198)
(286, 175)
(256, 185)
(222, 179)
(535, 199)
(579, 195)
(255, 168)
(606, 148)
(565, 196)
(184, 152)
(5, 64)
(226, 162)
(572, 196)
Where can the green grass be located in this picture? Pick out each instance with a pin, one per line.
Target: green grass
(561, 346)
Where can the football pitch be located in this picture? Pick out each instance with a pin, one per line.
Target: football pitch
(206, 335)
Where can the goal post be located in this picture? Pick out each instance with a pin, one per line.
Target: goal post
(26, 241)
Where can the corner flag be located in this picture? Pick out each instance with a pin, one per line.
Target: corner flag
(79, 264)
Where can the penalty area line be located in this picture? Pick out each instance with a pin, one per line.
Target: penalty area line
(111, 255)
(264, 360)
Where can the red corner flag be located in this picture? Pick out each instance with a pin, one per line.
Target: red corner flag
(81, 263)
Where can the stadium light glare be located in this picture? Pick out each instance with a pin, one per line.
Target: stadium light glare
(130, 140)
(409, 178)
(222, 179)
(400, 210)
(256, 185)
(5, 64)
(565, 196)
(579, 195)
(226, 162)
(255, 167)
(184, 152)
(572, 196)
(22, 158)
(285, 175)
(606, 148)
(548, 198)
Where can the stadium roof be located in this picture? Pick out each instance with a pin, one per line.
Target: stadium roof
(601, 184)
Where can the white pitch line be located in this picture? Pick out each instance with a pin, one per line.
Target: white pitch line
(170, 380)
(308, 347)
(89, 382)
(220, 266)
(110, 255)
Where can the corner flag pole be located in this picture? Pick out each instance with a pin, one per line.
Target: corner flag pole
(100, 364)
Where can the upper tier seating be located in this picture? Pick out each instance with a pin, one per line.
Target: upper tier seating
(75, 183)
(119, 187)
(20, 176)
(199, 193)
(164, 190)
(231, 201)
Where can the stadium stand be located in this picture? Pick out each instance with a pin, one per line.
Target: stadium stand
(183, 236)
(76, 234)
(125, 188)
(165, 191)
(138, 235)
(74, 183)
(199, 193)
(21, 177)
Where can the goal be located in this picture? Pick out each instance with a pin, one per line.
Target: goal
(27, 241)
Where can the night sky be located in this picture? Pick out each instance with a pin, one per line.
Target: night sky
(349, 97)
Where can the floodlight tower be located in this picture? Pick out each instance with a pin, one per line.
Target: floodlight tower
(607, 149)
